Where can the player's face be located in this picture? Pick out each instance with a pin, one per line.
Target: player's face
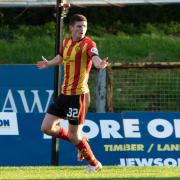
(78, 30)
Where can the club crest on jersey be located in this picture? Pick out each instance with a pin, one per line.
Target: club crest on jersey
(94, 50)
(67, 60)
(77, 48)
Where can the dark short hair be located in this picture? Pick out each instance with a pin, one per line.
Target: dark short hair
(77, 17)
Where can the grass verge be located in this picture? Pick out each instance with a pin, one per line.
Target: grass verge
(79, 172)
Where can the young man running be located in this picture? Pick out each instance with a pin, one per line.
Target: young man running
(77, 53)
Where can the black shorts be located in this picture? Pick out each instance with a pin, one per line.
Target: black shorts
(72, 107)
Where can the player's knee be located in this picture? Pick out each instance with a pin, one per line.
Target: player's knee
(45, 129)
(74, 139)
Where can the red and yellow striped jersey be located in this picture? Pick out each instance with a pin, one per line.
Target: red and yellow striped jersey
(77, 64)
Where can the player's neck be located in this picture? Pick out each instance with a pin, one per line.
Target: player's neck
(76, 39)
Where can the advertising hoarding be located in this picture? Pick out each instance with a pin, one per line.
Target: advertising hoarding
(122, 138)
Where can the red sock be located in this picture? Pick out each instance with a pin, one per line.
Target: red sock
(63, 134)
(86, 152)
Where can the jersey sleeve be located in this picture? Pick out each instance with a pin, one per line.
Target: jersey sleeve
(92, 49)
(61, 49)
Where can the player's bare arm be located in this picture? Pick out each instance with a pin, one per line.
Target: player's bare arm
(44, 63)
(100, 63)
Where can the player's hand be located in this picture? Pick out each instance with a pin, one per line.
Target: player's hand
(104, 63)
(42, 64)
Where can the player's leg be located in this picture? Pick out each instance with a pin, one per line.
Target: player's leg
(87, 103)
(81, 143)
(86, 152)
(75, 134)
(50, 124)
(51, 127)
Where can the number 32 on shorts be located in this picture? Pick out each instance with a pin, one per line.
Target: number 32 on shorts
(73, 112)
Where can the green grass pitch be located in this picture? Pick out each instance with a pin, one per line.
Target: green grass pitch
(79, 172)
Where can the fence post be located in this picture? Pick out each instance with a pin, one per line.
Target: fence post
(101, 91)
(109, 89)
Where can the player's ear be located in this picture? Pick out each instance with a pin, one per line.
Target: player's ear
(70, 27)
